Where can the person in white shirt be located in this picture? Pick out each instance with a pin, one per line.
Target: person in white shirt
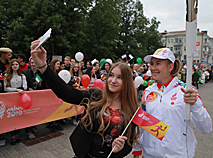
(15, 80)
(166, 101)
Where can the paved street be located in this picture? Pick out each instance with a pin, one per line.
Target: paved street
(60, 146)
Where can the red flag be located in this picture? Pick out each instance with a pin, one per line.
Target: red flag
(151, 124)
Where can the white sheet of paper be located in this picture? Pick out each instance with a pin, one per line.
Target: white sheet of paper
(44, 38)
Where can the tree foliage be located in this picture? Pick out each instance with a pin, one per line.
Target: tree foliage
(98, 28)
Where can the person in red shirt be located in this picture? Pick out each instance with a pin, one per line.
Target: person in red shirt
(22, 59)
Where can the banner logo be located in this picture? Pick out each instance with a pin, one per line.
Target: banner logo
(174, 97)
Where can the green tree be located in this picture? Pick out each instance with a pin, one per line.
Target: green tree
(138, 36)
(102, 29)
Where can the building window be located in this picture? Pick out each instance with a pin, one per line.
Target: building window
(168, 40)
(171, 48)
(163, 41)
(171, 40)
(184, 48)
(180, 40)
(176, 40)
(184, 57)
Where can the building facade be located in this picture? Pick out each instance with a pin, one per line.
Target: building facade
(176, 41)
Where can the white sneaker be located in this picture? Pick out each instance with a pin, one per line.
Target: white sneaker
(30, 135)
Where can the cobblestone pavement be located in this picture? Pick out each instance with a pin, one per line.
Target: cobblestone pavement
(59, 147)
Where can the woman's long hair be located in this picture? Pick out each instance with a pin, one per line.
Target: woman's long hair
(9, 71)
(128, 103)
(52, 64)
(177, 67)
(103, 67)
(88, 72)
(72, 70)
(97, 72)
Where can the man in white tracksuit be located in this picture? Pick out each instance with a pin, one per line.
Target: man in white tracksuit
(166, 101)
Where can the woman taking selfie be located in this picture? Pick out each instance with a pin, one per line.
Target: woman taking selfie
(98, 131)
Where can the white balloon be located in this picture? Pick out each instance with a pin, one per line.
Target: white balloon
(148, 73)
(109, 61)
(79, 56)
(93, 61)
(65, 75)
(185, 67)
(138, 81)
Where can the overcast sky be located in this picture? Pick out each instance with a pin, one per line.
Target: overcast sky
(172, 14)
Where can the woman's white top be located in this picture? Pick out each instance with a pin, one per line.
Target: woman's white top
(167, 104)
(15, 82)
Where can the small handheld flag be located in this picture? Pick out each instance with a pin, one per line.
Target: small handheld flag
(38, 78)
(103, 77)
(131, 57)
(123, 56)
(151, 124)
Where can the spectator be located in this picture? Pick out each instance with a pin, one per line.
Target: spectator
(55, 65)
(15, 81)
(76, 74)
(5, 55)
(87, 66)
(22, 60)
(67, 63)
(104, 70)
(91, 73)
(82, 66)
(195, 78)
(33, 83)
(62, 67)
(97, 69)
(72, 62)
(32, 76)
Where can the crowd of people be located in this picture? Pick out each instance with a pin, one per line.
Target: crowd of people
(109, 110)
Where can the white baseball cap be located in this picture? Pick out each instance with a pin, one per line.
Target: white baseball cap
(161, 53)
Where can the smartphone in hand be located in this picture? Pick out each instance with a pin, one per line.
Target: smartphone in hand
(44, 38)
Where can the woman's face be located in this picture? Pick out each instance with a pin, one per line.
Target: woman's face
(160, 70)
(93, 70)
(57, 65)
(115, 81)
(88, 64)
(15, 66)
(97, 66)
(62, 66)
(76, 68)
(107, 66)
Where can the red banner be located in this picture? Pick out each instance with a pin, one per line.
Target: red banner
(46, 107)
(151, 124)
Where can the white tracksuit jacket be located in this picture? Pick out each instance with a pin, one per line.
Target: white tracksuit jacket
(167, 104)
